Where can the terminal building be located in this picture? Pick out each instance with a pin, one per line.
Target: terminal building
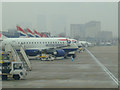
(77, 31)
(92, 29)
(83, 31)
(11, 33)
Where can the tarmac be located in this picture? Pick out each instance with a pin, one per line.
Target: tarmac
(96, 67)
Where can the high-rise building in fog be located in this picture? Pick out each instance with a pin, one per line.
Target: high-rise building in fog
(77, 31)
(92, 28)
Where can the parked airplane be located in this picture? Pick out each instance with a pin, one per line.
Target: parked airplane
(33, 46)
(85, 43)
(37, 34)
(2, 37)
(44, 35)
(30, 33)
(21, 32)
(32, 50)
(76, 42)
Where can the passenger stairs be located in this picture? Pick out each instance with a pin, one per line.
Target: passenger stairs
(19, 56)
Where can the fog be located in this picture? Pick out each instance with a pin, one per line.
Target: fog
(56, 17)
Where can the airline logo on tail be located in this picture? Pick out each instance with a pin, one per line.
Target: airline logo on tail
(44, 35)
(21, 31)
(30, 33)
(37, 34)
(41, 35)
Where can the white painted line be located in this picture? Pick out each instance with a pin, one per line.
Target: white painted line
(104, 68)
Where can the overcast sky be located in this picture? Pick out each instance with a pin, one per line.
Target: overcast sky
(54, 15)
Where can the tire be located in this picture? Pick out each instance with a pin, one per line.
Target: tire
(16, 77)
(4, 77)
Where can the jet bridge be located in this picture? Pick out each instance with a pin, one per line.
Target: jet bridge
(19, 56)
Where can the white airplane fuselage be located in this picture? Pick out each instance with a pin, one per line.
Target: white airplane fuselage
(33, 45)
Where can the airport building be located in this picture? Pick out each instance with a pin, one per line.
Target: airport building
(92, 29)
(83, 31)
(11, 33)
(77, 31)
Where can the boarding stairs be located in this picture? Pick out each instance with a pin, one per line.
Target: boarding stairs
(19, 56)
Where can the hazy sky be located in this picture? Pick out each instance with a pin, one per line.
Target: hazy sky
(56, 15)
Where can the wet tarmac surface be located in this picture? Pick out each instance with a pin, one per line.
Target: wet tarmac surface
(83, 72)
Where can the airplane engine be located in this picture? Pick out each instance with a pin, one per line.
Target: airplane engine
(60, 53)
(32, 52)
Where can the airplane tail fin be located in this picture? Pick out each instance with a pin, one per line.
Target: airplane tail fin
(41, 35)
(36, 33)
(21, 32)
(30, 33)
(44, 35)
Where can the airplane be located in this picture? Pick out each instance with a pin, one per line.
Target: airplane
(30, 33)
(33, 46)
(21, 32)
(37, 34)
(32, 50)
(43, 35)
(2, 37)
(85, 43)
(76, 42)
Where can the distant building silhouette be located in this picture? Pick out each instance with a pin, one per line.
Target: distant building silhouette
(92, 29)
(77, 31)
(11, 33)
(89, 30)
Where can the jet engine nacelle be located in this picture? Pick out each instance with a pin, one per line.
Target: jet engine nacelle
(60, 53)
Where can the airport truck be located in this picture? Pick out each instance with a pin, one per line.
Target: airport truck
(11, 68)
(14, 64)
